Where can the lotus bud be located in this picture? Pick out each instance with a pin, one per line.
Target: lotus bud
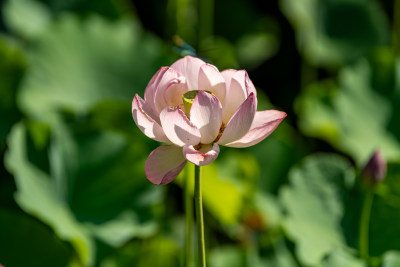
(375, 170)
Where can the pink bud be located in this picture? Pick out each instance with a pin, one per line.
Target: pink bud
(375, 170)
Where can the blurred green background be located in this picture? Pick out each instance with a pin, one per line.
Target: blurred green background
(72, 186)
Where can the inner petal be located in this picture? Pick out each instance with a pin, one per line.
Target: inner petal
(206, 114)
(188, 99)
(173, 94)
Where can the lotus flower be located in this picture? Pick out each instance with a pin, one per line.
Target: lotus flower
(196, 108)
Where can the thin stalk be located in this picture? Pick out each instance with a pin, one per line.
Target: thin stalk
(188, 218)
(199, 217)
(364, 225)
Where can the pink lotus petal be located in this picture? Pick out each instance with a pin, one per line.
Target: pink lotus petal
(145, 123)
(264, 123)
(189, 67)
(210, 79)
(173, 93)
(150, 92)
(240, 122)
(204, 156)
(164, 164)
(237, 93)
(170, 77)
(242, 78)
(250, 88)
(206, 115)
(227, 75)
(178, 128)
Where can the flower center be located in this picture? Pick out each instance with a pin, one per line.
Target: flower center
(188, 99)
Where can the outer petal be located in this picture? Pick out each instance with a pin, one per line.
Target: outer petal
(189, 67)
(150, 92)
(145, 123)
(164, 164)
(264, 123)
(250, 88)
(206, 115)
(237, 94)
(178, 128)
(210, 79)
(204, 156)
(240, 122)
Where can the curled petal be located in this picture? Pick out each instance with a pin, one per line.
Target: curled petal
(150, 92)
(145, 122)
(240, 122)
(164, 164)
(189, 67)
(264, 123)
(204, 156)
(210, 79)
(248, 84)
(170, 78)
(206, 115)
(173, 94)
(178, 128)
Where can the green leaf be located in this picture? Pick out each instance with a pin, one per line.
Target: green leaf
(333, 32)
(118, 231)
(223, 256)
(235, 256)
(342, 258)
(269, 208)
(276, 155)
(12, 67)
(282, 256)
(278, 152)
(314, 205)
(23, 235)
(384, 233)
(27, 18)
(221, 197)
(110, 177)
(159, 251)
(110, 9)
(76, 64)
(391, 259)
(36, 196)
(226, 208)
(353, 116)
(103, 156)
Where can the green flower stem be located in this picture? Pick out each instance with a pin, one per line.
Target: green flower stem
(199, 217)
(364, 225)
(188, 218)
